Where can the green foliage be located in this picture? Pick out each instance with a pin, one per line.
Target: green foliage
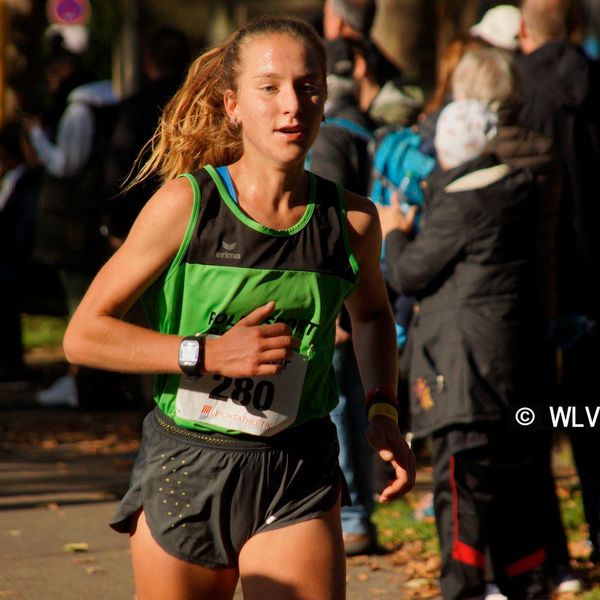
(397, 524)
(572, 513)
(41, 331)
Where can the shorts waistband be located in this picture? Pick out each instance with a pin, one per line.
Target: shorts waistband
(241, 441)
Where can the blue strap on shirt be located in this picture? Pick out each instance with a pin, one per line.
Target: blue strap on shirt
(226, 178)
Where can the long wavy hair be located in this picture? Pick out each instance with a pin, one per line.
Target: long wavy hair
(194, 129)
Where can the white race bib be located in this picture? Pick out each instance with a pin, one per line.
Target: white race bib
(255, 405)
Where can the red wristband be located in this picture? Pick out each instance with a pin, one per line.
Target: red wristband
(380, 395)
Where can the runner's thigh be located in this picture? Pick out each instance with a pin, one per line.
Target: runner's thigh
(302, 561)
(160, 576)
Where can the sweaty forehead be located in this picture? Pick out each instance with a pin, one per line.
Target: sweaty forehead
(276, 54)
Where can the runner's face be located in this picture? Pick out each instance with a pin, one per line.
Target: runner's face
(280, 97)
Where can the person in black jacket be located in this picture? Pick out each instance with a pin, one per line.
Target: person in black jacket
(473, 346)
(561, 99)
(341, 154)
(166, 56)
(19, 186)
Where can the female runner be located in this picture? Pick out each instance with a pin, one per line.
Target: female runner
(242, 267)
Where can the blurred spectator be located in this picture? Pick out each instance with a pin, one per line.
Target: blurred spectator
(19, 185)
(449, 58)
(348, 18)
(386, 98)
(471, 346)
(341, 154)
(485, 74)
(499, 27)
(165, 59)
(383, 94)
(357, 76)
(66, 139)
(561, 96)
(591, 28)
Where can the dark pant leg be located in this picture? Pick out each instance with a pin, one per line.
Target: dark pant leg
(11, 348)
(516, 520)
(579, 387)
(458, 521)
(489, 496)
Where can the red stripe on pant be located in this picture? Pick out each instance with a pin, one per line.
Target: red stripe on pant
(527, 563)
(461, 551)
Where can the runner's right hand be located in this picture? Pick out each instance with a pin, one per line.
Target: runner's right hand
(251, 348)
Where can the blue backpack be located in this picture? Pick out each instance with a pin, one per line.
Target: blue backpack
(399, 165)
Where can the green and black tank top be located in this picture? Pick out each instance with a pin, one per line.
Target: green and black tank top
(228, 265)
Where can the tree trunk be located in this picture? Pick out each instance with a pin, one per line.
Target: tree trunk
(22, 57)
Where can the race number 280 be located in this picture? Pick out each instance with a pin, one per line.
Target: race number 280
(244, 390)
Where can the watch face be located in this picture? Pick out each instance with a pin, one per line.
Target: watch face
(189, 351)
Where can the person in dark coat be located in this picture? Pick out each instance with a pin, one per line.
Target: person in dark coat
(473, 346)
(19, 187)
(490, 75)
(341, 151)
(341, 154)
(166, 57)
(561, 99)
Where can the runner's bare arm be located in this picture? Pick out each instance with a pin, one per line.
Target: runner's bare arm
(98, 337)
(374, 340)
(372, 321)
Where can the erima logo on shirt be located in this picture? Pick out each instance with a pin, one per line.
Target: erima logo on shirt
(227, 251)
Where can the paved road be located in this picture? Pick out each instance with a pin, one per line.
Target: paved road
(35, 566)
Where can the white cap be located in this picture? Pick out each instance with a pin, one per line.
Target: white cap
(499, 27)
(75, 37)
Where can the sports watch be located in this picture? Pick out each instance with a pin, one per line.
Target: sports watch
(191, 355)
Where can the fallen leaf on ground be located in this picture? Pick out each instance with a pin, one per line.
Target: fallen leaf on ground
(94, 570)
(84, 560)
(76, 547)
(579, 548)
(415, 583)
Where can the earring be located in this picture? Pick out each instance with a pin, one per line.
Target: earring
(234, 122)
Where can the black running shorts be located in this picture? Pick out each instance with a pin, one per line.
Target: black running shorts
(205, 494)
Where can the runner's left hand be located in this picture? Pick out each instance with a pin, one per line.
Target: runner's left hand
(385, 437)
